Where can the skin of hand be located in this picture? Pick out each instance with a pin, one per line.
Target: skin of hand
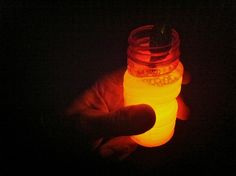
(100, 115)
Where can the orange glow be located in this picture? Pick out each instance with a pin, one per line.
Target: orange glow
(160, 93)
(154, 77)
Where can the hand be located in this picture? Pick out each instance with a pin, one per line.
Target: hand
(100, 114)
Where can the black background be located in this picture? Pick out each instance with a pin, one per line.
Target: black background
(53, 51)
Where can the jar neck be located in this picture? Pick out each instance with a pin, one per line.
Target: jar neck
(145, 60)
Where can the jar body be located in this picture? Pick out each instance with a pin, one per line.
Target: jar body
(161, 98)
(156, 84)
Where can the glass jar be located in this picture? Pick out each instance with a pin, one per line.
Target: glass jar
(153, 77)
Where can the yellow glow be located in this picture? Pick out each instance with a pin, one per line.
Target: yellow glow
(160, 93)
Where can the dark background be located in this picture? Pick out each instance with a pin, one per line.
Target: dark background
(51, 52)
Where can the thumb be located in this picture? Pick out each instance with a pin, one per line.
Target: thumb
(129, 120)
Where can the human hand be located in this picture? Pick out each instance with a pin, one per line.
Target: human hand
(101, 116)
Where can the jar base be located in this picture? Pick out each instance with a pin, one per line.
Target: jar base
(152, 143)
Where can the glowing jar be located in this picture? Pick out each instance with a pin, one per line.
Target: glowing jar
(153, 77)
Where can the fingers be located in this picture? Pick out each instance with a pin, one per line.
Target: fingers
(186, 78)
(126, 121)
(183, 110)
(118, 148)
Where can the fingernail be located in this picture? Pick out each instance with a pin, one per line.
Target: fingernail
(106, 153)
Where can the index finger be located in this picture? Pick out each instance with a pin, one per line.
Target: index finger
(186, 78)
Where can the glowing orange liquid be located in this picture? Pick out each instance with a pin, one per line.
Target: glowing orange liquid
(160, 93)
